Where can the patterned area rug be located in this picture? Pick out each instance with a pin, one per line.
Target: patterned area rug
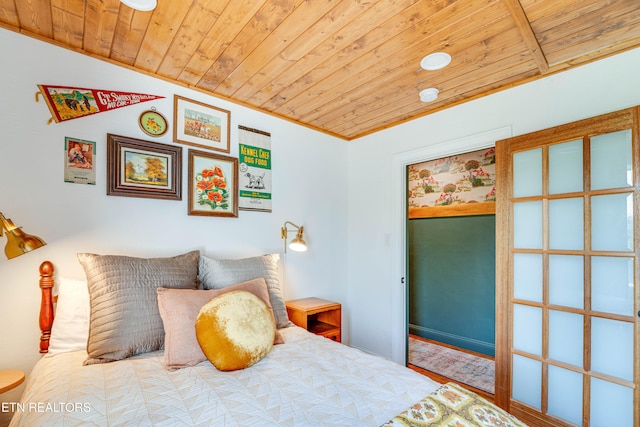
(466, 368)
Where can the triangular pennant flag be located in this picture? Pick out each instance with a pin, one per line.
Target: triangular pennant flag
(67, 102)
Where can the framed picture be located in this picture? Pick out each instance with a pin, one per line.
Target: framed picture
(213, 184)
(79, 160)
(137, 168)
(201, 125)
(458, 185)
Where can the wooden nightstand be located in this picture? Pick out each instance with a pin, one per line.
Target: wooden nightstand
(318, 316)
(10, 379)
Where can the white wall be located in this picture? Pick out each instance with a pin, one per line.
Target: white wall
(309, 175)
(376, 173)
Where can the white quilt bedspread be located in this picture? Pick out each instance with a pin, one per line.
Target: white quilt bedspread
(308, 381)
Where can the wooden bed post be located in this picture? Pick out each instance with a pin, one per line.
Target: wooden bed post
(46, 304)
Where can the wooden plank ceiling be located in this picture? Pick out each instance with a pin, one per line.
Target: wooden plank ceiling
(347, 68)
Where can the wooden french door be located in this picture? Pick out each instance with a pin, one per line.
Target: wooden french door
(567, 294)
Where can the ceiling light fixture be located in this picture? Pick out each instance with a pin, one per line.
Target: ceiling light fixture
(142, 5)
(430, 94)
(435, 61)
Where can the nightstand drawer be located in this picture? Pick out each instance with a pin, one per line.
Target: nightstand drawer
(332, 335)
(318, 316)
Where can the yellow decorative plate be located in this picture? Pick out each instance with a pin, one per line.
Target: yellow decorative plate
(153, 123)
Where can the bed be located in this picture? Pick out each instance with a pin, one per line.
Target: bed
(302, 380)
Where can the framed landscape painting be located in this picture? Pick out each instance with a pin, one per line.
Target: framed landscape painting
(201, 125)
(137, 168)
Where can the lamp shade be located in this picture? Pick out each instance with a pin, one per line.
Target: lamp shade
(298, 244)
(18, 242)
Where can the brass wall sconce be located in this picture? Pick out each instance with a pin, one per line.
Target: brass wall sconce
(297, 243)
(18, 242)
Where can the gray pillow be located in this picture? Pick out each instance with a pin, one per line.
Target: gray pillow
(125, 319)
(220, 273)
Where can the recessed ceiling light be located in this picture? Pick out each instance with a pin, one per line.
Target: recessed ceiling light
(435, 61)
(429, 95)
(142, 5)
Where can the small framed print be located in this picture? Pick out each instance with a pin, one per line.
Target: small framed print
(201, 125)
(137, 168)
(79, 161)
(153, 123)
(213, 184)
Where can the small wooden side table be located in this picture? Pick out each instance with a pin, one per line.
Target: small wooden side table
(318, 316)
(9, 379)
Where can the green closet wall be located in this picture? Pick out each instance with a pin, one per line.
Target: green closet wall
(452, 281)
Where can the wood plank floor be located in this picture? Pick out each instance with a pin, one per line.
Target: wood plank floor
(439, 378)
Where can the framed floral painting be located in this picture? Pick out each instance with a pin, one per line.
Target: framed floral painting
(213, 184)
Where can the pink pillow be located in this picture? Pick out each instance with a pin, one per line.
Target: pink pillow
(179, 309)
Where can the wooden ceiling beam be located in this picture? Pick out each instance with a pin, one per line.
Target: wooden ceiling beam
(35, 17)
(529, 37)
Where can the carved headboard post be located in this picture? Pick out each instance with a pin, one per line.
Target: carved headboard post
(46, 304)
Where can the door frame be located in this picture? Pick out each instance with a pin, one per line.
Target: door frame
(399, 320)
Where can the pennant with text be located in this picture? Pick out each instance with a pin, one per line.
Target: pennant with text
(66, 102)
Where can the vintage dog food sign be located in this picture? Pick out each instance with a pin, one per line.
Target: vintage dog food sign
(66, 102)
(255, 169)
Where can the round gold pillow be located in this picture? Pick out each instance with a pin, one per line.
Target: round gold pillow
(235, 330)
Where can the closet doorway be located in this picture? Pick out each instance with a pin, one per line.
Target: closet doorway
(451, 298)
(451, 268)
(400, 260)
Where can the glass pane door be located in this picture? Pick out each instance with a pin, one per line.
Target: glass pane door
(572, 263)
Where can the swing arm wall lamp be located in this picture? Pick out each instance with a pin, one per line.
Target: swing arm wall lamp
(297, 243)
